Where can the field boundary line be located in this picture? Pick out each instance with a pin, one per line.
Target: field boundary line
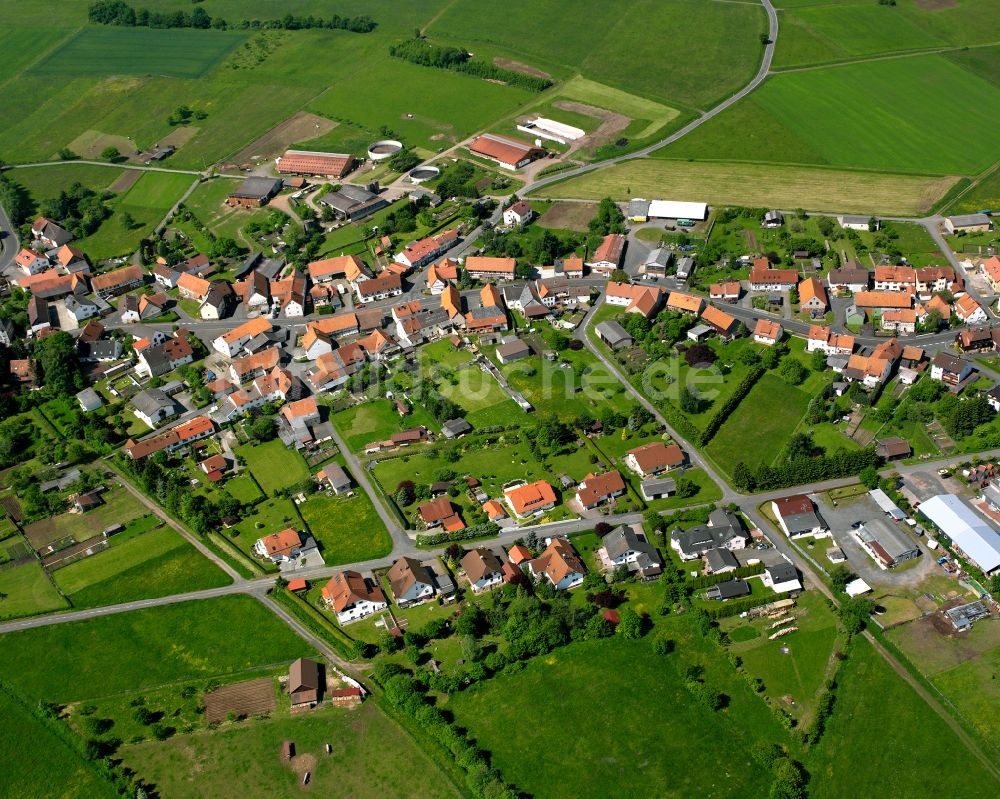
(884, 56)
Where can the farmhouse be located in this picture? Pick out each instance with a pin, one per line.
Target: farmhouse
(530, 499)
(823, 338)
(950, 369)
(935, 278)
(440, 274)
(49, 233)
(812, 296)
(352, 597)
(570, 268)
(895, 278)
(723, 530)
(417, 254)
(764, 278)
(254, 192)
(728, 291)
(596, 489)
(968, 223)
(853, 222)
(483, 568)
(387, 284)
(233, 341)
(645, 300)
(310, 162)
(411, 582)
(304, 685)
(507, 152)
(767, 332)
(798, 517)
(30, 262)
(654, 458)
(342, 267)
(608, 255)
(111, 284)
(623, 546)
(679, 302)
(559, 564)
(991, 271)
(613, 334)
(489, 268)
(851, 278)
(721, 322)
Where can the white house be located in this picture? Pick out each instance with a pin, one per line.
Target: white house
(519, 213)
(851, 222)
(352, 597)
(782, 578)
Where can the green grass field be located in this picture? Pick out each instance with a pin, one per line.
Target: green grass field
(274, 465)
(880, 115)
(713, 50)
(248, 755)
(756, 437)
(243, 488)
(642, 741)
(760, 185)
(269, 516)
(145, 648)
(376, 420)
(207, 203)
(43, 182)
(983, 196)
(61, 772)
(147, 202)
(347, 529)
(152, 564)
(27, 591)
(854, 755)
(178, 53)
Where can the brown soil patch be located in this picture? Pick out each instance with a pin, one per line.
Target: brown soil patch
(301, 126)
(90, 143)
(568, 216)
(300, 764)
(242, 698)
(126, 181)
(524, 69)
(180, 136)
(612, 124)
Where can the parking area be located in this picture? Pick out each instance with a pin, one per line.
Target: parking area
(863, 509)
(926, 483)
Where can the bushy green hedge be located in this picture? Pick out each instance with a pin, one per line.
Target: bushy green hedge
(476, 531)
(711, 579)
(731, 404)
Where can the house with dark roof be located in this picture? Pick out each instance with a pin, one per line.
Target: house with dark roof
(892, 448)
(623, 546)
(720, 561)
(153, 406)
(411, 582)
(798, 517)
(254, 192)
(304, 684)
(782, 578)
(731, 589)
(724, 530)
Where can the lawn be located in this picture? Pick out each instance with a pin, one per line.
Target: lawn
(103, 51)
(758, 185)
(207, 203)
(61, 771)
(376, 420)
(795, 665)
(757, 436)
(648, 741)
(119, 507)
(347, 529)
(273, 465)
(26, 591)
(146, 648)
(855, 754)
(152, 564)
(246, 758)
(878, 115)
(147, 202)
(243, 488)
(985, 195)
(269, 516)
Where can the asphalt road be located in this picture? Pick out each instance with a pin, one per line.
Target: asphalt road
(9, 244)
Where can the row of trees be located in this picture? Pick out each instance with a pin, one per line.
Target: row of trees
(803, 470)
(118, 12)
(427, 54)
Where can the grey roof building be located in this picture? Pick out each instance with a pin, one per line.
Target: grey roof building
(730, 589)
(657, 488)
(512, 349)
(454, 428)
(152, 406)
(260, 189)
(353, 202)
(720, 560)
(723, 530)
(625, 547)
(613, 334)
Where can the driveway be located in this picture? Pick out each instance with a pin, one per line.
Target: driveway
(863, 509)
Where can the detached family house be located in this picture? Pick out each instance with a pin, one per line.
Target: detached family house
(798, 517)
(411, 582)
(654, 458)
(484, 569)
(352, 597)
(559, 564)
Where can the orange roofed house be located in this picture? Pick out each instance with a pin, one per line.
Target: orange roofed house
(596, 489)
(352, 597)
(654, 458)
(812, 297)
(823, 338)
(764, 278)
(559, 564)
(439, 512)
(722, 323)
(507, 152)
(645, 300)
(680, 302)
(767, 332)
(873, 370)
(483, 267)
(279, 547)
(348, 268)
(530, 499)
